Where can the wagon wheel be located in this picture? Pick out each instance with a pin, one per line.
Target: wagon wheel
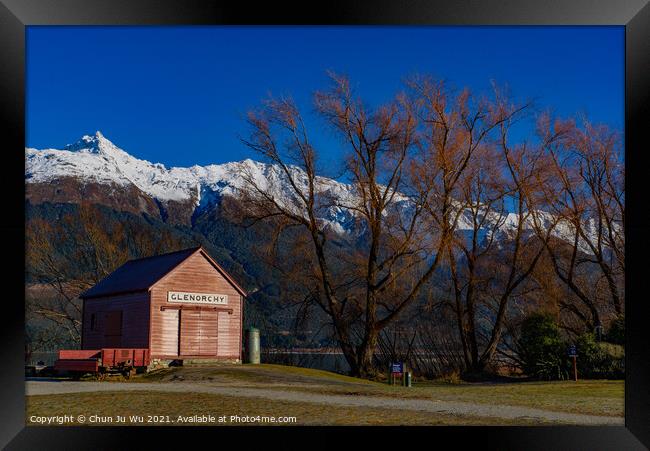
(100, 376)
(128, 373)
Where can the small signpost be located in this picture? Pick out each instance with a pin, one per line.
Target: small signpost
(398, 372)
(573, 353)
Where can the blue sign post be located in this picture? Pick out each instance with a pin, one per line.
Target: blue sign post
(396, 371)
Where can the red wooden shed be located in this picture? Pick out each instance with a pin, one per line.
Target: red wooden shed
(181, 306)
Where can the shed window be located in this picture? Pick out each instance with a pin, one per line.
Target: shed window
(92, 321)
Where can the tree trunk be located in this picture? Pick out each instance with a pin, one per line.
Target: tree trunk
(365, 353)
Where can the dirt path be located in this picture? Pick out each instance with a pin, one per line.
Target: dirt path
(443, 407)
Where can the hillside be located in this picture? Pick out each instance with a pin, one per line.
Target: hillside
(96, 170)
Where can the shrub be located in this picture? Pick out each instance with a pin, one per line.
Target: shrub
(599, 359)
(543, 352)
(616, 333)
(451, 377)
(541, 349)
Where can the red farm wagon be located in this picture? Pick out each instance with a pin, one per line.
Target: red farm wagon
(102, 361)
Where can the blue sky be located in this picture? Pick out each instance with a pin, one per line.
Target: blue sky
(178, 95)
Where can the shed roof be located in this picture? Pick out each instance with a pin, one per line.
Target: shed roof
(140, 274)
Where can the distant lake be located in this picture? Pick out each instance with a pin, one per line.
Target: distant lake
(321, 360)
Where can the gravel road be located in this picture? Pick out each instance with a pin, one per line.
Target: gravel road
(443, 407)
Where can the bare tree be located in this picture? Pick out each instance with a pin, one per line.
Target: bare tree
(589, 199)
(483, 203)
(404, 161)
(66, 257)
(493, 256)
(526, 170)
(69, 257)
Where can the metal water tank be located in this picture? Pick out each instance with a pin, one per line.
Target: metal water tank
(253, 345)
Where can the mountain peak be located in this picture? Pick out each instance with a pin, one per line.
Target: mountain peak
(96, 143)
(93, 158)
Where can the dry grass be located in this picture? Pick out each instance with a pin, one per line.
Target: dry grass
(584, 397)
(110, 404)
(594, 397)
(257, 374)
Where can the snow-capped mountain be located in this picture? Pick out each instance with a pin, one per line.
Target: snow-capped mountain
(93, 168)
(94, 160)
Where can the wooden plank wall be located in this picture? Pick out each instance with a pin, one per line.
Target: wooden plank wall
(197, 275)
(209, 332)
(169, 324)
(134, 323)
(190, 332)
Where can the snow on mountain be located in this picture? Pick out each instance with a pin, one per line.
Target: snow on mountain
(96, 159)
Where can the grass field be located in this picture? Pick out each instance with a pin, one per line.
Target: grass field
(604, 398)
(597, 397)
(106, 404)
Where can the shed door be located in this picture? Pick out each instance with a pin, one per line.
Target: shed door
(190, 332)
(113, 329)
(198, 335)
(209, 326)
(169, 340)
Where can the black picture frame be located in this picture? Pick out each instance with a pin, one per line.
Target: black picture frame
(634, 15)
